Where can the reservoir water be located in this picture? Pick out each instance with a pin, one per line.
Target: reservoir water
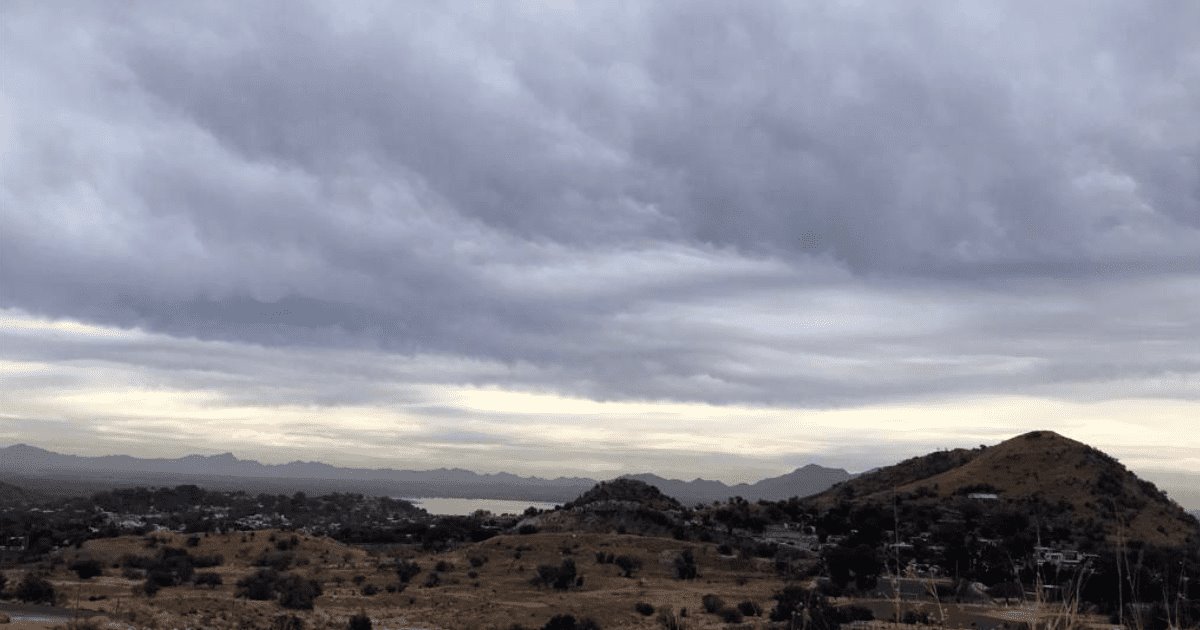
(444, 506)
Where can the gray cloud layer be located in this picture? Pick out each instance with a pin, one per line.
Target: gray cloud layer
(773, 203)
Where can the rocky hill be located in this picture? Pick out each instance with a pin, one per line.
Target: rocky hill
(1044, 473)
(630, 492)
(621, 505)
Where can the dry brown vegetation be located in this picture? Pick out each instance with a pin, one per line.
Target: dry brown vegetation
(484, 585)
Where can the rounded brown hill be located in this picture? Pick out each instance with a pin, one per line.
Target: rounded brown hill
(1041, 467)
(626, 491)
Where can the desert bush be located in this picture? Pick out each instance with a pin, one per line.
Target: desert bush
(193, 541)
(3, 583)
(685, 565)
(568, 622)
(149, 588)
(644, 608)
(296, 592)
(730, 614)
(359, 622)
(287, 622)
(370, 590)
(208, 578)
(278, 560)
(209, 561)
(477, 561)
(432, 580)
(406, 570)
(628, 565)
(712, 603)
(560, 577)
(86, 569)
(750, 609)
(527, 529)
(443, 567)
(258, 586)
(35, 589)
(671, 621)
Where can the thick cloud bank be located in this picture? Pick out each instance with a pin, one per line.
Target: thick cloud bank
(778, 204)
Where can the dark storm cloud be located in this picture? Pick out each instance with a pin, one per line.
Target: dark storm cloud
(813, 205)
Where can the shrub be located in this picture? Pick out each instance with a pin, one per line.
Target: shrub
(287, 622)
(150, 588)
(297, 593)
(729, 614)
(670, 621)
(359, 622)
(443, 567)
(568, 622)
(750, 609)
(685, 565)
(86, 569)
(3, 583)
(628, 565)
(477, 561)
(370, 590)
(260, 586)
(209, 561)
(406, 570)
(208, 579)
(644, 608)
(527, 529)
(712, 603)
(432, 580)
(278, 560)
(560, 577)
(35, 589)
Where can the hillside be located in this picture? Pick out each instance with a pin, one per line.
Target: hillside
(10, 494)
(1043, 471)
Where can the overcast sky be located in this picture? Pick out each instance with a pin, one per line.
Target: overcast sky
(699, 238)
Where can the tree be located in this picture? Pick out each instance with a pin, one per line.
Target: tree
(259, 586)
(860, 564)
(296, 592)
(35, 589)
(87, 569)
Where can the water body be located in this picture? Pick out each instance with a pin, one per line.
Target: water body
(443, 506)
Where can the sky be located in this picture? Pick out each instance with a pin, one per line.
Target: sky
(696, 238)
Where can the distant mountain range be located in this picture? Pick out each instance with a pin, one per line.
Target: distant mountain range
(46, 470)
